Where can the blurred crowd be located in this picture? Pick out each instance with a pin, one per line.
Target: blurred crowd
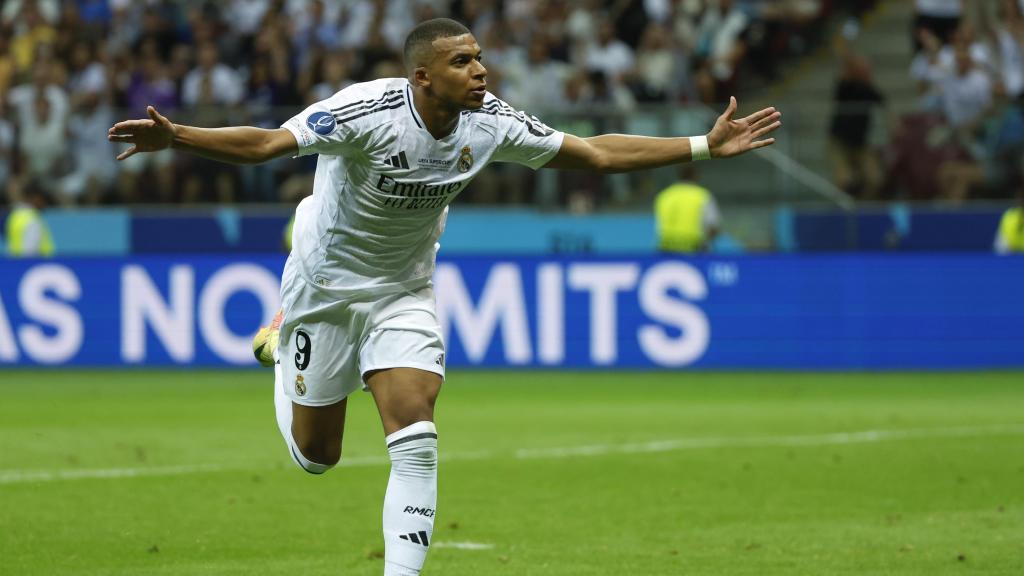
(70, 69)
(969, 70)
(966, 136)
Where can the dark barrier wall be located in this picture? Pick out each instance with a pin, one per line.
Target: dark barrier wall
(751, 312)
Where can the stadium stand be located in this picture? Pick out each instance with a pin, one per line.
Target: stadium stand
(70, 68)
(876, 110)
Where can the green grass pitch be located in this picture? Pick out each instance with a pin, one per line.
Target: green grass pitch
(618, 473)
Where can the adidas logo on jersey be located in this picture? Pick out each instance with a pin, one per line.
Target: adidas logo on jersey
(416, 538)
(399, 161)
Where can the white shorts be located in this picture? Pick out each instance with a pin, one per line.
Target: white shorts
(328, 346)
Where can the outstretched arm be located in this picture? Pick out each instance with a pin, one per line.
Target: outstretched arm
(624, 153)
(237, 145)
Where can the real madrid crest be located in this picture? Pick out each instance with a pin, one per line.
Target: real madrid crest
(300, 385)
(465, 159)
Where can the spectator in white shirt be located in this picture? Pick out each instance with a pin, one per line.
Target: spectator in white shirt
(540, 83)
(937, 61)
(212, 82)
(22, 98)
(92, 156)
(40, 111)
(1005, 32)
(581, 23)
(42, 142)
(245, 16)
(661, 72)
(967, 91)
(210, 88)
(720, 49)
(609, 54)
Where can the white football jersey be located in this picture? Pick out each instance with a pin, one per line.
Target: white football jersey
(383, 183)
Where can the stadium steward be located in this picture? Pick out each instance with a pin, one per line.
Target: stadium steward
(1010, 236)
(26, 232)
(686, 215)
(358, 306)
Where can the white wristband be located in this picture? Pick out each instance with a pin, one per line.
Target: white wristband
(699, 149)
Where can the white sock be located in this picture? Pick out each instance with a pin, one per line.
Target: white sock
(410, 500)
(283, 407)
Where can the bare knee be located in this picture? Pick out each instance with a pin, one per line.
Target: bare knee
(404, 396)
(317, 431)
(410, 412)
(325, 451)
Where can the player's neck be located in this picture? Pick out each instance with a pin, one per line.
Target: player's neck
(439, 119)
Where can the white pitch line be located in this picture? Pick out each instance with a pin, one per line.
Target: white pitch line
(463, 545)
(22, 476)
(18, 476)
(838, 438)
(672, 445)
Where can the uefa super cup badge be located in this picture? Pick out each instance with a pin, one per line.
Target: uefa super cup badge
(465, 159)
(300, 385)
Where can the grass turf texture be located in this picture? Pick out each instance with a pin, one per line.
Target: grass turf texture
(925, 504)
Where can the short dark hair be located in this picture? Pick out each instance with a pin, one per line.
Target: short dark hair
(425, 33)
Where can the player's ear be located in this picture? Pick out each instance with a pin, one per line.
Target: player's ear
(421, 77)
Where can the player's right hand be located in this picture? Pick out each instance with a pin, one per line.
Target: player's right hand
(156, 133)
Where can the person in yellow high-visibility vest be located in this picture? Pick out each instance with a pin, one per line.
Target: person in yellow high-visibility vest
(1010, 236)
(686, 215)
(26, 232)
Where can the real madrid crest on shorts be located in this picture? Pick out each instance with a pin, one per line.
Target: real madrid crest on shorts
(465, 159)
(300, 385)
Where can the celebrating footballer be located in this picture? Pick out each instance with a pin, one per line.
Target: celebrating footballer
(357, 300)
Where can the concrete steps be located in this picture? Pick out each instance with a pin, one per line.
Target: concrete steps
(806, 95)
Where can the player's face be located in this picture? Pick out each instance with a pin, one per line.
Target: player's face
(457, 75)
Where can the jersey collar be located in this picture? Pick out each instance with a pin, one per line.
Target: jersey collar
(419, 121)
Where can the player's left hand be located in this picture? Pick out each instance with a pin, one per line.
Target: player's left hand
(151, 135)
(731, 137)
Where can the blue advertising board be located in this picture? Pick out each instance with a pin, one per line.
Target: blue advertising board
(828, 312)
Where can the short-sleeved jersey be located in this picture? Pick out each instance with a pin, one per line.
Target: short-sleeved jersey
(383, 183)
